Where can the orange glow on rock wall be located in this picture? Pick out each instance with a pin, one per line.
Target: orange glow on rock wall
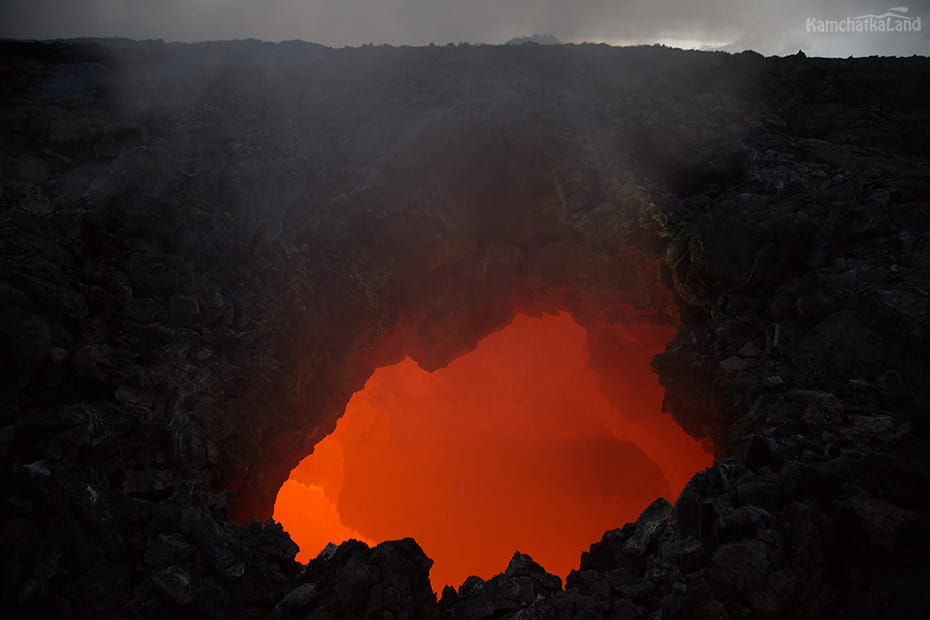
(510, 447)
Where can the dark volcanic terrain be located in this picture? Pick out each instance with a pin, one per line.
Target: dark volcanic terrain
(205, 249)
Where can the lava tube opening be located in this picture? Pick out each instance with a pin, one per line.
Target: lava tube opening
(513, 446)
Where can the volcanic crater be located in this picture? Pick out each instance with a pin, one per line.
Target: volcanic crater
(667, 310)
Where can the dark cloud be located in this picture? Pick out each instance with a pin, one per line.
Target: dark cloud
(770, 26)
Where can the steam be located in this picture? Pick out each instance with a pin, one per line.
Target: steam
(768, 26)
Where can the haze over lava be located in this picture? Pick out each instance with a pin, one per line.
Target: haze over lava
(511, 447)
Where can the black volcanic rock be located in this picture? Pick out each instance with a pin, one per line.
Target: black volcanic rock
(355, 581)
(206, 249)
(524, 588)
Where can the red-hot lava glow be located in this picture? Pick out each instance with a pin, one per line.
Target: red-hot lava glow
(510, 447)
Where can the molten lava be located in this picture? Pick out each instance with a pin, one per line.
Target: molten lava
(510, 447)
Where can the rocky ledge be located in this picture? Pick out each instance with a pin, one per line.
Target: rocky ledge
(205, 249)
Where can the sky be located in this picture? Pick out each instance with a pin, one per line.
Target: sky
(768, 26)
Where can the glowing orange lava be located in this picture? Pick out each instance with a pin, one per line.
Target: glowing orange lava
(510, 447)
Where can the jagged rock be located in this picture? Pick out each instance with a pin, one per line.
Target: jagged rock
(516, 591)
(299, 598)
(354, 580)
(745, 521)
(176, 583)
(522, 566)
(10, 296)
(154, 274)
(27, 344)
(763, 490)
(90, 496)
(741, 565)
(182, 310)
(146, 481)
(764, 452)
(93, 361)
(211, 540)
(102, 591)
(721, 162)
(101, 192)
(881, 520)
(655, 517)
(166, 550)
